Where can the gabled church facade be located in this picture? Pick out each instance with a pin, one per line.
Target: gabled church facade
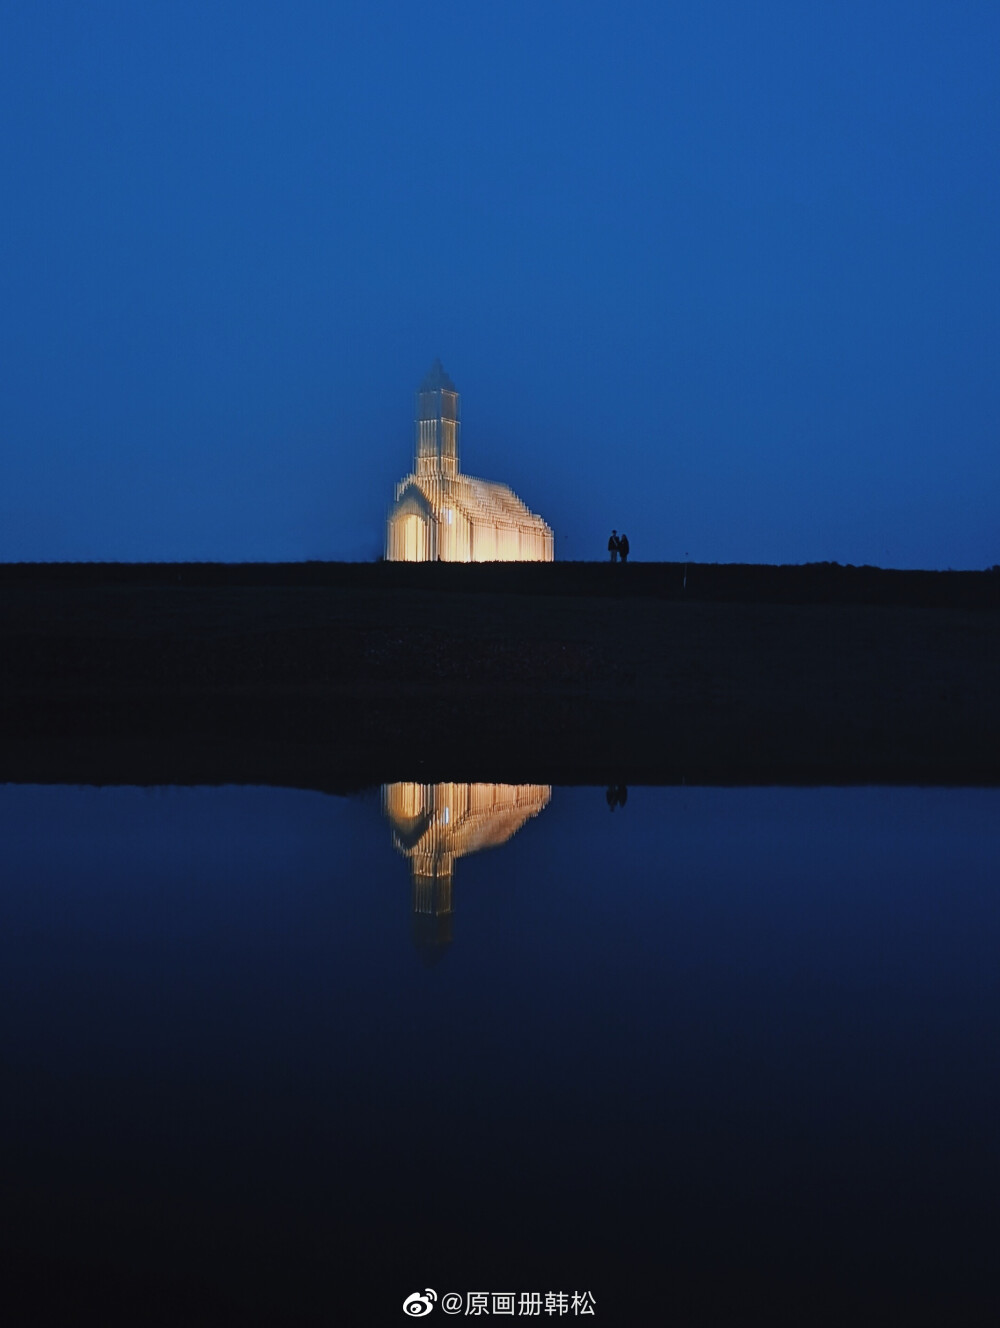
(440, 513)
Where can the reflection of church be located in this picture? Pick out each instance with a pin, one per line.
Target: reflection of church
(442, 514)
(433, 824)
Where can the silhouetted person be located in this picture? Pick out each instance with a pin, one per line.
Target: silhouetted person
(613, 546)
(623, 546)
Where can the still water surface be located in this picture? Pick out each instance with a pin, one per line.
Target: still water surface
(271, 1052)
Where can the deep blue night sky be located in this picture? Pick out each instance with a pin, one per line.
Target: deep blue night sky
(723, 274)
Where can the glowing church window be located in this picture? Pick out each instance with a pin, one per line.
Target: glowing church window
(488, 522)
(413, 539)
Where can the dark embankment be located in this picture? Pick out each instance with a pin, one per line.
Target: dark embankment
(339, 675)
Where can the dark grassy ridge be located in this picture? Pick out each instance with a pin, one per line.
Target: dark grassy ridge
(808, 583)
(339, 675)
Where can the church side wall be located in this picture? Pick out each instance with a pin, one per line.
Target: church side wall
(535, 545)
(436, 518)
(414, 538)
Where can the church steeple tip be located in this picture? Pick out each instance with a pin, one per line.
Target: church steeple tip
(436, 378)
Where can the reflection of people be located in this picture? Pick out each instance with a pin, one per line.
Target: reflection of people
(616, 796)
(613, 546)
(623, 546)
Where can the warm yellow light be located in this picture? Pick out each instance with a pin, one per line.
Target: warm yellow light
(434, 824)
(439, 513)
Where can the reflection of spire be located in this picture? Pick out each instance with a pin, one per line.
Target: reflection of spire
(432, 907)
(433, 824)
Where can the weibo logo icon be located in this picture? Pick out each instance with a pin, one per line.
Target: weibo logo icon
(420, 1303)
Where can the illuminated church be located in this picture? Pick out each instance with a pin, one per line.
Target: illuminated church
(442, 514)
(433, 824)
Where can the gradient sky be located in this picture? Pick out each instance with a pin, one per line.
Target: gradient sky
(724, 274)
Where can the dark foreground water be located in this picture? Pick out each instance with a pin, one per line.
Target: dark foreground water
(712, 1051)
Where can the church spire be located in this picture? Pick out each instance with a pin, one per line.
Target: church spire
(437, 424)
(436, 378)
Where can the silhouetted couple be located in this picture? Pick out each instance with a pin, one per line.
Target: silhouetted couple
(618, 544)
